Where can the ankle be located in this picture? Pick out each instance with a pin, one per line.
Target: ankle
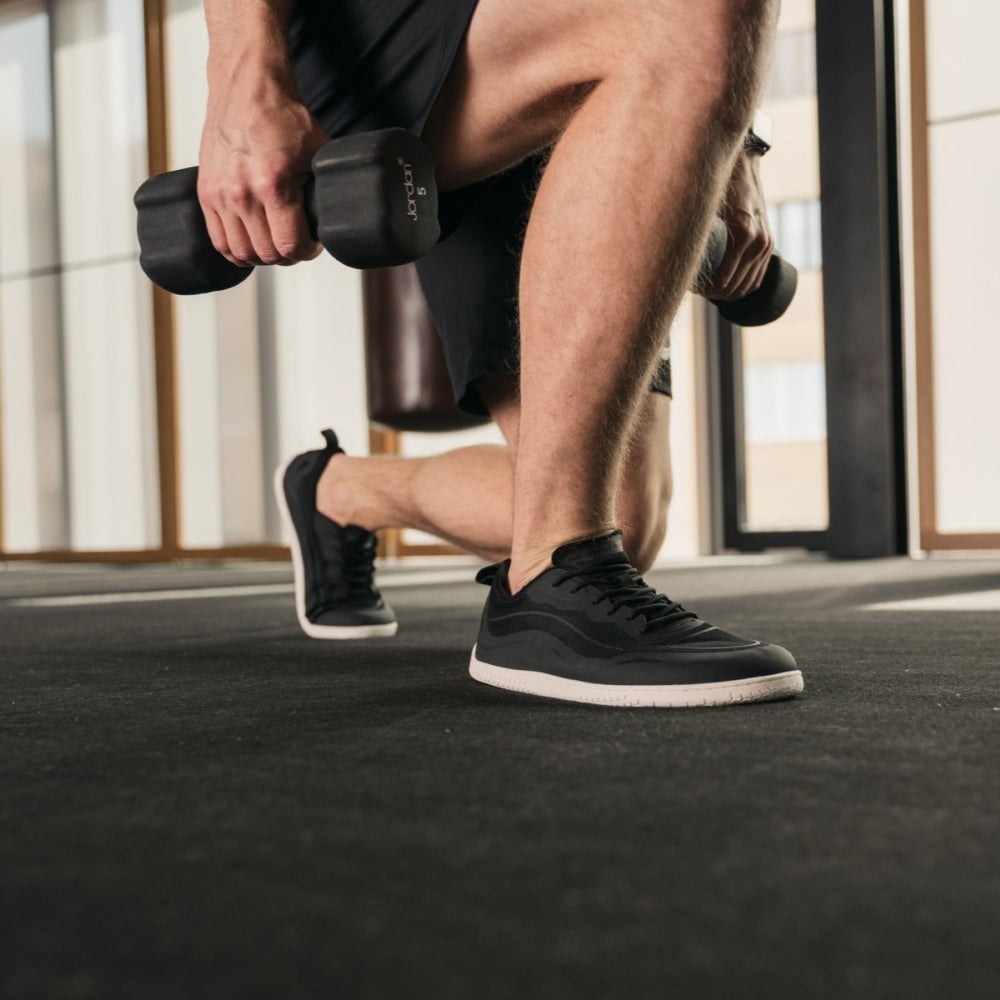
(528, 562)
(338, 491)
(524, 571)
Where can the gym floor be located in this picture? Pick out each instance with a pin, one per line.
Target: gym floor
(197, 801)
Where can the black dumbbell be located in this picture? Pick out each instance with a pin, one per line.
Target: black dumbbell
(769, 301)
(371, 201)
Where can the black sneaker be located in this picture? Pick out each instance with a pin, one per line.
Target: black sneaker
(335, 596)
(590, 629)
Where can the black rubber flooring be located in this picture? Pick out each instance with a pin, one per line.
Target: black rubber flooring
(196, 801)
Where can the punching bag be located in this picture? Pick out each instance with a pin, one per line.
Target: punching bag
(407, 379)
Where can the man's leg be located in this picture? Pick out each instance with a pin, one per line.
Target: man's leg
(601, 348)
(648, 110)
(465, 496)
(462, 496)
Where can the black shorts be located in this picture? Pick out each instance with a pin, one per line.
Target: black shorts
(370, 64)
(470, 283)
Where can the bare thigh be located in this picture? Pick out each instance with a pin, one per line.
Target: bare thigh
(526, 66)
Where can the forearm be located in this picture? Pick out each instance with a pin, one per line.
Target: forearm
(247, 37)
(258, 140)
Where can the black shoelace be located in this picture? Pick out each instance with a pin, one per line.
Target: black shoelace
(359, 568)
(347, 555)
(622, 587)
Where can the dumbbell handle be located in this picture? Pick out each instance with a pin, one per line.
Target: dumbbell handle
(371, 201)
(170, 216)
(769, 301)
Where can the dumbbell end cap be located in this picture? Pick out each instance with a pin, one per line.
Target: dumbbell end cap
(769, 302)
(195, 276)
(376, 198)
(175, 249)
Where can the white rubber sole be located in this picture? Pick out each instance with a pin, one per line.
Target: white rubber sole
(310, 628)
(751, 689)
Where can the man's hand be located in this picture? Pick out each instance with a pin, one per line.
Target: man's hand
(258, 140)
(750, 246)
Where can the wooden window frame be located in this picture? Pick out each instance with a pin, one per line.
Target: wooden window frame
(930, 536)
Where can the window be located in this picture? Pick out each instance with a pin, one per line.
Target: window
(76, 391)
(796, 229)
(793, 66)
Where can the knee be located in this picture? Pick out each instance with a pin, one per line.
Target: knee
(718, 48)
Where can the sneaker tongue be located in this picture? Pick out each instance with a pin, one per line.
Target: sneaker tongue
(591, 552)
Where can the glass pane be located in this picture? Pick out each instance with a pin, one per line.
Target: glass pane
(77, 383)
(110, 408)
(783, 371)
(27, 223)
(31, 418)
(100, 113)
(100, 102)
